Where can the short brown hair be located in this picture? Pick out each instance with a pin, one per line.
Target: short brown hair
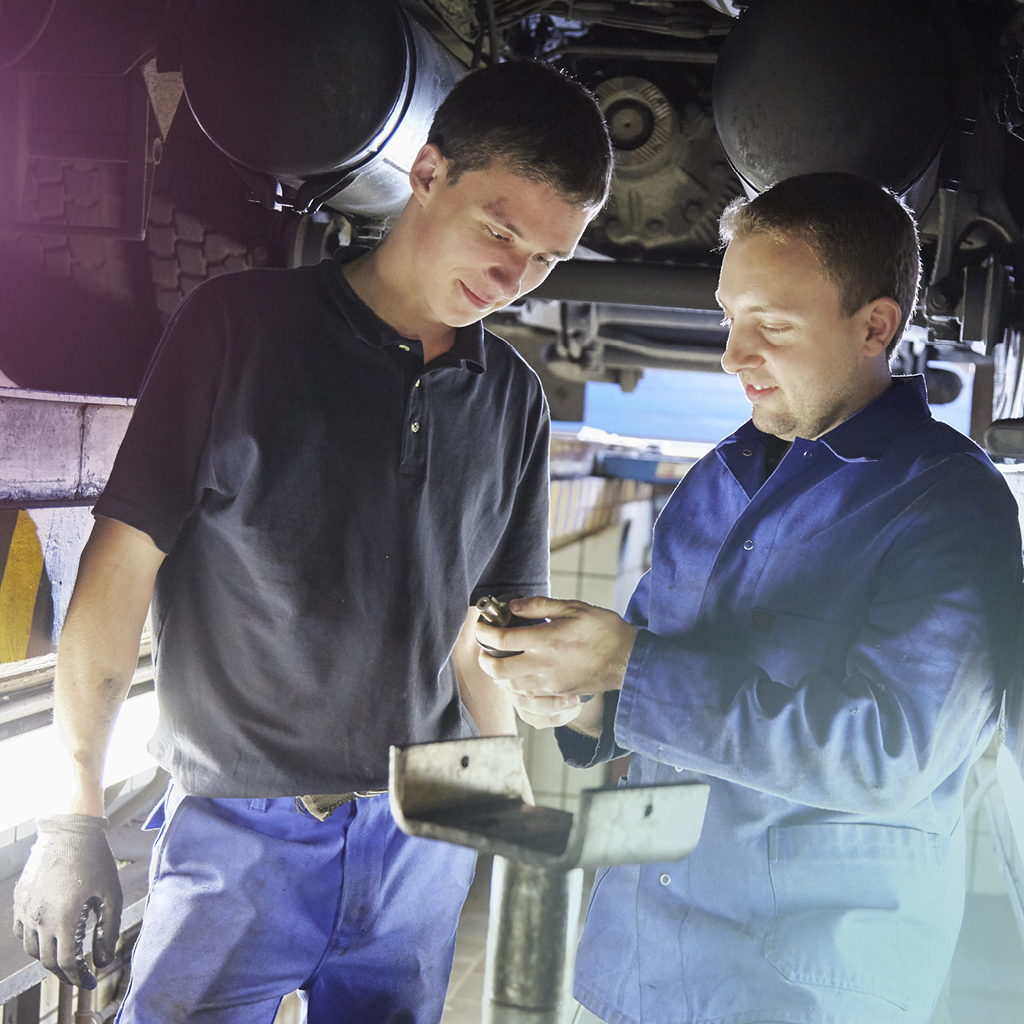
(544, 125)
(865, 238)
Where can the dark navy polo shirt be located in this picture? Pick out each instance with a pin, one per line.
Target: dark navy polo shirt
(329, 507)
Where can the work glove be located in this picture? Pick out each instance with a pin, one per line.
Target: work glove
(69, 873)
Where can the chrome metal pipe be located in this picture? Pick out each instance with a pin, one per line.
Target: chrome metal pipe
(531, 943)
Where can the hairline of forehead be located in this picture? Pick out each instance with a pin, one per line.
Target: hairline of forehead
(525, 174)
(806, 235)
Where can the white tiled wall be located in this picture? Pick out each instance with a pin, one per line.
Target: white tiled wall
(604, 568)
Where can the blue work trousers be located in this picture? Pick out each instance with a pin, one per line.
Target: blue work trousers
(251, 899)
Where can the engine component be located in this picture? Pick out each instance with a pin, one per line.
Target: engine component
(803, 86)
(730, 7)
(325, 102)
(672, 179)
(69, 37)
(616, 342)
(638, 284)
(917, 353)
(28, 26)
(985, 306)
(1005, 438)
(315, 237)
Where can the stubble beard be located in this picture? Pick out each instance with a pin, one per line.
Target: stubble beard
(782, 424)
(787, 425)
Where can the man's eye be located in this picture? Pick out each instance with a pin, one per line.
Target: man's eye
(494, 234)
(544, 261)
(768, 329)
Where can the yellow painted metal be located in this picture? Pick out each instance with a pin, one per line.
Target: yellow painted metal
(18, 589)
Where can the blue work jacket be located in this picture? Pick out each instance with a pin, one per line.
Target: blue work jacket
(827, 649)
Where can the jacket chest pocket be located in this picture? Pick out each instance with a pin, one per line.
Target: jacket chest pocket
(787, 645)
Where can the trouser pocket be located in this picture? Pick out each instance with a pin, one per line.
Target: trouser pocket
(863, 908)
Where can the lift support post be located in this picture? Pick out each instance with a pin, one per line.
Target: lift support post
(469, 792)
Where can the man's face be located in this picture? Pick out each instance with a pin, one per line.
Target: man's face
(804, 365)
(487, 239)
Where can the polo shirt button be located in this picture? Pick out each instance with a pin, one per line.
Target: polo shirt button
(747, 451)
(665, 879)
(807, 454)
(404, 348)
(416, 426)
(748, 545)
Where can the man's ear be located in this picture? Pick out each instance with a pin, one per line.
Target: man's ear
(882, 320)
(429, 170)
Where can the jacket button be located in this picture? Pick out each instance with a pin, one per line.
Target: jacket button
(665, 879)
(415, 426)
(748, 545)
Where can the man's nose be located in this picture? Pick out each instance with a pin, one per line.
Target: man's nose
(508, 275)
(741, 351)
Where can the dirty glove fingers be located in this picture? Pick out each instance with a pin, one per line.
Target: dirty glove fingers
(69, 975)
(49, 957)
(106, 933)
(30, 943)
(72, 959)
(70, 874)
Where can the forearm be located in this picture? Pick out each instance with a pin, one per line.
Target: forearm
(98, 654)
(490, 707)
(91, 683)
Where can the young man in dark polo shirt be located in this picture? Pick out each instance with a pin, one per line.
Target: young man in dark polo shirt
(326, 467)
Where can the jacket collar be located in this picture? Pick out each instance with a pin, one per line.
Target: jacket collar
(870, 432)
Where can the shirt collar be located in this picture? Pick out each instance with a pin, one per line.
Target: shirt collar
(467, 352)
(870, 432)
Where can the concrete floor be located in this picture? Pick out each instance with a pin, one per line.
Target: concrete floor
(465, 990)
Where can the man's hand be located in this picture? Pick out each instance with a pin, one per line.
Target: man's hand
(546, 712)
(70, 873)
(579, 650)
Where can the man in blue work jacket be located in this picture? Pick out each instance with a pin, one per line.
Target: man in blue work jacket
(823, 637)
